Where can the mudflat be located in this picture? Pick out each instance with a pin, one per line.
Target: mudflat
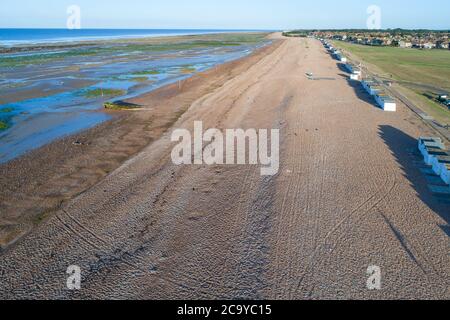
(49, 91)
(350, 194)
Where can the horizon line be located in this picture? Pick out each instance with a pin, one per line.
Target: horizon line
(237, 29)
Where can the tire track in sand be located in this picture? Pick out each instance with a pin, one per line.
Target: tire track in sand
(371, 202)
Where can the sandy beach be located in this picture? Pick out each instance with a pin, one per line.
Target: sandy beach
(350, 194)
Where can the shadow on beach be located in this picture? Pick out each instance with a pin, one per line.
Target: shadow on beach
(402, 146)
(361, 93)
(357, 86)
(341, 67)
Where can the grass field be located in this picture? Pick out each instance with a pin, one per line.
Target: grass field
(423, 66)
(422, 72)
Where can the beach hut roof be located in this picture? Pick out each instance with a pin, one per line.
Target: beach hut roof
(435, 139)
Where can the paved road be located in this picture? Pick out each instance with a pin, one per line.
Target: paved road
(350, 194)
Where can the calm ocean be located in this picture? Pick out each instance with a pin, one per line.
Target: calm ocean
(10, 37)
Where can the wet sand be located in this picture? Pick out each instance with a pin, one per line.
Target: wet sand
(350, 194)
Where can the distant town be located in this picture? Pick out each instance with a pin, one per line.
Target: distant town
(418, 39)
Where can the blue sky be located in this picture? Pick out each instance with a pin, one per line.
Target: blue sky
(225, 14)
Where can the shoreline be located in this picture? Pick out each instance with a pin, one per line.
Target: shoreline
(74, 43)
(67, 167)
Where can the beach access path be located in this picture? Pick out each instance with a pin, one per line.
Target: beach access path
(350, 194)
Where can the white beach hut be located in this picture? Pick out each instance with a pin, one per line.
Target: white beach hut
(353, 69)
(385, 102)
(431, 153)
(375, 89)
(430, 142)
(435, 154)
(440, 164)
(355, 76)
(341, 58)
(372, 87)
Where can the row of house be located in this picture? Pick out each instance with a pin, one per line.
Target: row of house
(437, 156)
(421, 45)
(430, 40)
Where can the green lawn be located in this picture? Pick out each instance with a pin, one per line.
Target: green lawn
(422, 66)
(414, 69)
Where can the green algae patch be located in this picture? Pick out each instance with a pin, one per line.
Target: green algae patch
(3, 125)
(146, 72)
(6, 110)
(140, 79)
(95, 93)
(120, 105)
(188, 69)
